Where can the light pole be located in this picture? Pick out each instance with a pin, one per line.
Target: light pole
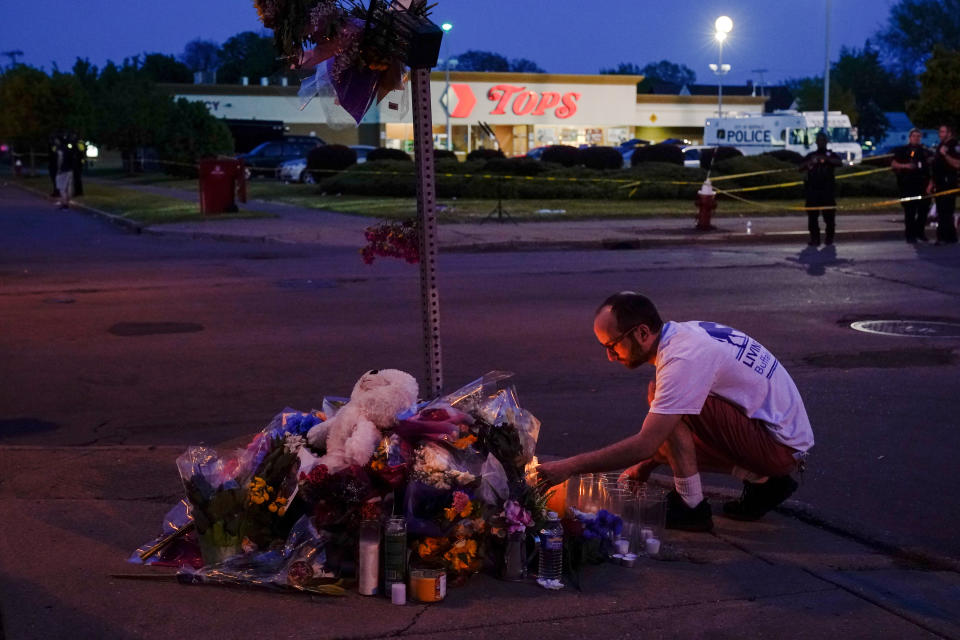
(723, 26)
(826, 73)
(446, 26)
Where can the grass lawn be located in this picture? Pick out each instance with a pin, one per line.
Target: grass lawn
(145, 208)
(472, 210)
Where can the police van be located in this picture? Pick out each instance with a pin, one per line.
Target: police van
(757, 133)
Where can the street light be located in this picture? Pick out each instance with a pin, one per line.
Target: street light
(723, 26)
(446, 26)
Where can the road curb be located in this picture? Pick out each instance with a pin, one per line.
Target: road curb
(626, 244)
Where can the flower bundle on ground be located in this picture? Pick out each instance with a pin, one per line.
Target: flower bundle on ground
(454, 470)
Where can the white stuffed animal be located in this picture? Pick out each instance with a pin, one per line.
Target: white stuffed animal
(351, 436)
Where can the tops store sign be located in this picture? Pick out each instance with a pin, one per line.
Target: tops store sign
(530, 103)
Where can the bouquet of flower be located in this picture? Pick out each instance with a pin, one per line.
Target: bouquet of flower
(588, 539)
(364, 44)
(392, 239)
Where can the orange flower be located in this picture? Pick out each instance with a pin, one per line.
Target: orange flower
(465, 441)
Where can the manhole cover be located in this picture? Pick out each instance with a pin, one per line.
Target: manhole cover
(909, 328)
(153, 328)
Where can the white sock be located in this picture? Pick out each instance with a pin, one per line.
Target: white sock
(742, 474)
(689, 489)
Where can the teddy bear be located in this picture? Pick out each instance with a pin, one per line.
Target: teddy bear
(351, 436)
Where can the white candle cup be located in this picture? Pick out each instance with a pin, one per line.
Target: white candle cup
(623, 546)
(646, 533)
(653, 546)
(628, 560)
(398, 593)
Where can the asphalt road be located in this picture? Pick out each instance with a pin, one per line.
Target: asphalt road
(111, 338)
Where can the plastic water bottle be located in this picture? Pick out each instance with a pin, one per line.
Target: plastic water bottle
(551, 549)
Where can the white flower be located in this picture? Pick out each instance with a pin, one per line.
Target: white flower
(293, 443)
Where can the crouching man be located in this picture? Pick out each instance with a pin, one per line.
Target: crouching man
(720, 402)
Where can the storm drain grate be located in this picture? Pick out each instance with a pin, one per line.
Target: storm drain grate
(909, 328)
(153, 328)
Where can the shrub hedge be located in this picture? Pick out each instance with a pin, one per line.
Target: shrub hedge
(561, 154)
(485, 154)
(526, 178)
(601, 158)
(381, 153)
(669, 153)
(329, 158)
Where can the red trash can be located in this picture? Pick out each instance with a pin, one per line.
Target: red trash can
(222, 183)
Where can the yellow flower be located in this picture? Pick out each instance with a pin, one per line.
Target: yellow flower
(259, 491)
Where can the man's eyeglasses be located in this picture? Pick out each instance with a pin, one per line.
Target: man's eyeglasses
(612, 344)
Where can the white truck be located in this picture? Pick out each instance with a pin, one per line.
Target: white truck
(757, 133)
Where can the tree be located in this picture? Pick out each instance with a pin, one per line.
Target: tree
(939, 91)
(862, 72)
(916, 26)
(134, 110)
(655, 73)
(24, 100)
(473, 60)
(250, 55)
(522, 65)
(666, 71)
(201, 55)
(165, 68)
(809, 96)
(190, 132)
(623, 69)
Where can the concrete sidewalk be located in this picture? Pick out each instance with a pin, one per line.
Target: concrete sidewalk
(73, 515)
(302, 225)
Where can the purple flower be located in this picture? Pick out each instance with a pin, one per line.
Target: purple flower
(518, 518)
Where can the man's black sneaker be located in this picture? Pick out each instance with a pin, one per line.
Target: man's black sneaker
(757, 499)
(680, 516)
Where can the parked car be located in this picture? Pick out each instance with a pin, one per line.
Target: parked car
(266, 157)
(294, 171)
(627, 147)
(692, 153)
(362, 151)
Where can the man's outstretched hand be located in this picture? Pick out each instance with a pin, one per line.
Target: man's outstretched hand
(553, 473)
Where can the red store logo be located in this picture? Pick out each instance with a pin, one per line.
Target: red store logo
(520, 100)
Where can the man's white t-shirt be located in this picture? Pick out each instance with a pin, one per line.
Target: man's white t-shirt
(698, 359)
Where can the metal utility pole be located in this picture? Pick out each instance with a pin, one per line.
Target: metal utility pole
(427, 210)
(826, 72)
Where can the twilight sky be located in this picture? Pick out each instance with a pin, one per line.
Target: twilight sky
(562, 36)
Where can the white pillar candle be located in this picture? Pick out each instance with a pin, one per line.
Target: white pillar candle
(646, 533)
(653, 546)
(623, 546)
(398, 593)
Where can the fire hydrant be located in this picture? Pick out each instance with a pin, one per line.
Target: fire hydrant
(706, 204)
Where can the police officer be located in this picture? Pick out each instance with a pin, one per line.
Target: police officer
(820, 190)
(946, 161)
(911, 163)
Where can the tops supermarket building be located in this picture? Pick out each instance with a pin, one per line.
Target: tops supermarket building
(524, 110)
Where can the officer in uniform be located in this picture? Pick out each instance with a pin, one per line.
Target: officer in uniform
(911, 163)
(820, 190)
(946, 161)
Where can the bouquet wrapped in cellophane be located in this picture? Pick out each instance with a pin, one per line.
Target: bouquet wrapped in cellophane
(455, 468)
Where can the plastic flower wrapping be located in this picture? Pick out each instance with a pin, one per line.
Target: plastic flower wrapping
(357, 49)
(453, 467)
